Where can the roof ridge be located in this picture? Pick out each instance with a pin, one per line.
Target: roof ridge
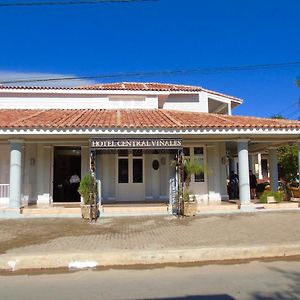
(165, 112)
(118, 117)
(31, 116)
(226, 119)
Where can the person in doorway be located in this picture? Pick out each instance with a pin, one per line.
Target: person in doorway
(75, 181)
(253, 184)
(234, 185)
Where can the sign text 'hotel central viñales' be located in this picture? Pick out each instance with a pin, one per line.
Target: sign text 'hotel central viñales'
(98, 143)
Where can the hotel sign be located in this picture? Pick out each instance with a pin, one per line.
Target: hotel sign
(135, 143)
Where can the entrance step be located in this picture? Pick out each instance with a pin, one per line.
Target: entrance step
(51, 211)
(134, 209)
(217, 208)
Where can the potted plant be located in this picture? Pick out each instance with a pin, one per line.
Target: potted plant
(190, 204)
(88, 191)
(271, 197)
(294, 189)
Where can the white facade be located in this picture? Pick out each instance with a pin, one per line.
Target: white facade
(77, 99)
(48, 156)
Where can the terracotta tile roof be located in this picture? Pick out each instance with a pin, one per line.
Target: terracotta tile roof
(156, 118)
(128, 86)
(142, 86)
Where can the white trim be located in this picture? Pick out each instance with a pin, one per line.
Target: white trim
(97, 131)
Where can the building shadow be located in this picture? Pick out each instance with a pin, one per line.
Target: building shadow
(196, 297)
(291, 292)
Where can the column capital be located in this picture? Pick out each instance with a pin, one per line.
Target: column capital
(243, 140)
(17, 141)
(272, 148)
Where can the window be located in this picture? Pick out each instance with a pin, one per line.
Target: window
(137, 165)
(199, 156)
(198, 151)
(130, 166)
(123, 170)
(186, 151)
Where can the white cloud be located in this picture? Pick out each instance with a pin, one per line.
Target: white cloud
(6, 76)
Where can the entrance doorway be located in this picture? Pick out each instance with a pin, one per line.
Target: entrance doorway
(66, 175)
(130, 173)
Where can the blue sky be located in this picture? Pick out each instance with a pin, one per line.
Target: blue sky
(164, 35)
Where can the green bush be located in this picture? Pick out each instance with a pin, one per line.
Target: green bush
(278, 196)
(87, 187)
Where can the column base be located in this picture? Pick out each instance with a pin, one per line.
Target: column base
(10, 213)
(247, 207)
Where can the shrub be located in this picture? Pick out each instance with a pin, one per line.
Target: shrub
(87, 187)
(278, 196)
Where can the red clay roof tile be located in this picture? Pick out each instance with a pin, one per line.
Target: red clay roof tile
(128, 86)
(122, 118)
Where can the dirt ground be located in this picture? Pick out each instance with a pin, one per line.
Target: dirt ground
(149, 232)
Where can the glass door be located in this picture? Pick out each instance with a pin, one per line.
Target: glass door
(130, 172)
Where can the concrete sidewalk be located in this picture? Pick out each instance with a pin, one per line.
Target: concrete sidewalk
(54, 243)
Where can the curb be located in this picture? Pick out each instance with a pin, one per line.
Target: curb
(79, 260)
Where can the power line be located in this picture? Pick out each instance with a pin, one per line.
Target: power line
(14, 4)
(296, 112)
(213, 70)
(288, 108)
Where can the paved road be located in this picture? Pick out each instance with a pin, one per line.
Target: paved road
(254, 280)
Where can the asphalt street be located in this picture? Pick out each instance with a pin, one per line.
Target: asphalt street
(250, 280)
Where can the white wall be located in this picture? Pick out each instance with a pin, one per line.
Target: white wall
(4, 163)
(79, 102)
(29, 174)
(106, 166)
(44, 174)
(4, 173)
(185, 102)
(216, 164)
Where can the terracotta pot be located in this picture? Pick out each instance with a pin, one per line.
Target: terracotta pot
(190, 208)
(86, 211)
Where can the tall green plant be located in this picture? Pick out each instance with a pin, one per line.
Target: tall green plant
(87, 188)
(191, 167)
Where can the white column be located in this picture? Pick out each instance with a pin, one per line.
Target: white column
(229, 108)
(260, 176)
(273, 165)
(244, 172)
(15, 173)
(298, 144)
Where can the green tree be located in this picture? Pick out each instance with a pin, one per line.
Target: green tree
(287, 158)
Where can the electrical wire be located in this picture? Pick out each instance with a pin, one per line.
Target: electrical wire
(293, 113)
(214, 70)
(288, 108)
(16, 4)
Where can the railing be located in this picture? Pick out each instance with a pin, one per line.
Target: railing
(4, 190)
